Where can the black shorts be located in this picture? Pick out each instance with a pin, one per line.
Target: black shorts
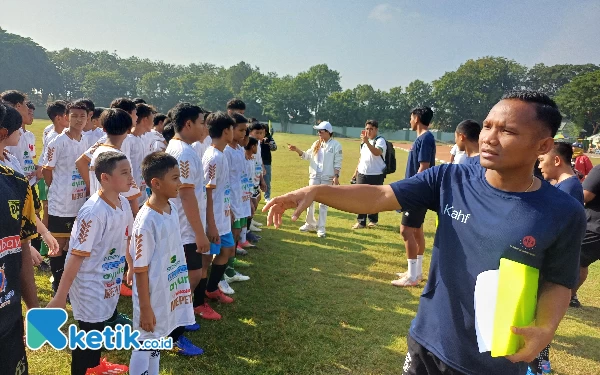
(420, 361)
(12, 350)
(414, 218)
(590, 249)
(60, 227)
(192, 258)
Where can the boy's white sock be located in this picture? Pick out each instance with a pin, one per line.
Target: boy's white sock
(154, 364)
(243, 235)
(412, 269)
(139, 362)
(419, 265)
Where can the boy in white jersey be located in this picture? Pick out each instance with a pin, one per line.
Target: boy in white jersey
(25, 150)
(236, 161)
(96, 261)
(139, 132)
(257, 130)
(247, 191)
(162, 299)
(154, 139)
(251, 149)
(92, 132)
(188, 123)
(216, 177)
(66, 187)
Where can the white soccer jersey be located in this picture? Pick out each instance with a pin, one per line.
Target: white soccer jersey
(100, 235)
(24, 151)
(125, 147)
(216, 177)
(247, 186)
(156, 248)
(47, 137)
(154, 141)
(10, 161)
(134, 191)
(67, 193)
(258, 170)
(191, 176)
(93, 136)
(137, 155)
(236, 160)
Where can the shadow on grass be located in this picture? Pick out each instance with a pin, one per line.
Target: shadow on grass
(587, 315)
(579, 346)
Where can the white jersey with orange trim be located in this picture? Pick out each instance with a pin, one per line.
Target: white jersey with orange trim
(236, 160)
(134, 191)
(100, 235)
(156, 248)
(191, 175)
(67, 192)
(216, 176)
(154, 141)
(138, 152)
(25, 153)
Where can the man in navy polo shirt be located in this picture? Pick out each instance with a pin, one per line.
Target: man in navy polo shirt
(499, 211)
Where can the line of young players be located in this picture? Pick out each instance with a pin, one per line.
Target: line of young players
(219, 173)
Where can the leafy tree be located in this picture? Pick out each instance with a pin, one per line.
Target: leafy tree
(317, 84)
(549, 79)
(102, 87)
(579, 100)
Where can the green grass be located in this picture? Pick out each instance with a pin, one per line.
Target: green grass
(325, 306)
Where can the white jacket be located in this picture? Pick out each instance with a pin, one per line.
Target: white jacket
(332, 159)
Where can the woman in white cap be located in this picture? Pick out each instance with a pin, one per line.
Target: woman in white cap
(325, 156)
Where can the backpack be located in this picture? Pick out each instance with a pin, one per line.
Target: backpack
(390, 157)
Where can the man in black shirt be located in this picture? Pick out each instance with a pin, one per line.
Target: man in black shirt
(267, 146)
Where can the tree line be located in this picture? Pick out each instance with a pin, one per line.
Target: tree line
(468, 92)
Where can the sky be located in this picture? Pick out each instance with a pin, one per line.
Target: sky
(381, 43)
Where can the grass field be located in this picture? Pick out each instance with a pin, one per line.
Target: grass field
(325, 306)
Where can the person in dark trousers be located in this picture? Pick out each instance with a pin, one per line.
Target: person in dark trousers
(268, 145)
(371, 167)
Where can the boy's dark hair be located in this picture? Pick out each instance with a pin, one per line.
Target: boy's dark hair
(139, 101)
(545, 108)
(30, 105)
(123, 103)
(115, 121)
(12, 119)
(239, 119)
(98, 112)
(13, 97)
(425, 114)
(56, 108)
(565, 151)
(373, 123)
(183, 112)
(76, 105)
(168, 131)
(143, 111)
(236, 104)
(158, 118)
(470, 129)
(2, 113)
(217, 123)
(256, 126)
(156, 165)
(106, 162)
(251, 142)
(88, 103)
(247, 132)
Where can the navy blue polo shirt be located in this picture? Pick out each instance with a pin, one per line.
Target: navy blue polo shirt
(573, 187)
(422, 150)
(478, 225)
(475, 160)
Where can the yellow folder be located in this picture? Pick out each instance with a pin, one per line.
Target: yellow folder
(515, 305)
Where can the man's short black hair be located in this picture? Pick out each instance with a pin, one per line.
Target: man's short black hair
(425, 114)
(98, 112)
(88, 103)
(56, 108)
(158, 118)
(565, 151)
(373, 123)
(143, 111)
(139, 101)
(251, 142)
(470, 129)
(239, 119)
(115, 121)
(12, 119)
(183, 112)
(236, 104)
(106, 162)
(217, 123)
(2, 113)
(168, 131)
(13, 97)
(30, 105)
(545, 108)
(123, 103)
(256, 126)
(76, 105)
(156, 165)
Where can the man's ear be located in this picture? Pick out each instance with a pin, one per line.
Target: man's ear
(155, 183)
(545, 145)
(3, 134)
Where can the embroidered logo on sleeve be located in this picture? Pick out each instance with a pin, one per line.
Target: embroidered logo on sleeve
(50, 155)
(138, 246)
(184, 169)
(212, 171)
(84, 230)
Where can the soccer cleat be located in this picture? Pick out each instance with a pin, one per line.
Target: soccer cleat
(254, 228)
(240, 251)
(307, 228)
(206, 312)
(183, 346)
(225, 288)
(321, 234)
(237, 277)
(546, 368)
(246, 244)
(219, 296)
(126, 291)
(253, 238)
(120, 319)
(405, 274)
(105, 368)
(256, 223)
(192, 327)
(371, 224)
(405, 281)
(358, 226)
(575, 302)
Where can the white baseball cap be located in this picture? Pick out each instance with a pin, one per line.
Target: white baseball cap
(325, 125)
